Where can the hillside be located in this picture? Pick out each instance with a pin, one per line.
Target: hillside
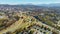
(28, 25)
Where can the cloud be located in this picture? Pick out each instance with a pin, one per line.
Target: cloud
(28, 1)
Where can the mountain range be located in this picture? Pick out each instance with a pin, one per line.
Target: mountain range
(53, 5)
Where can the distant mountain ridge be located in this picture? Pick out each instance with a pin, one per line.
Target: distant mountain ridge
(32, 5)
(51, 5)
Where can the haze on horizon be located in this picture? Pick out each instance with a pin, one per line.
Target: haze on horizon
(13, 2)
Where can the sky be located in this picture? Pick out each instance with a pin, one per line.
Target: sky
(12, 2)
